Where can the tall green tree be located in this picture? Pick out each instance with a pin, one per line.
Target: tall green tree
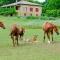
(51, 8)
(4, 2)
(53, 4)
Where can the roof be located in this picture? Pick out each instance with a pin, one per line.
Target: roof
(21, 3)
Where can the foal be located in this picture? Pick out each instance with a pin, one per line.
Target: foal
(33, 39)
(15, 33)
(48, 29)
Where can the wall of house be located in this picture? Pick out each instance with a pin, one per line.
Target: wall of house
(27, 10)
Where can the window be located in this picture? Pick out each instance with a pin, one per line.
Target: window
(24, 8)
(12, 6)
(30, 14)
(31, 9)
(37, 9)
(8, 7)
(24, 14)
(36, 14)
(17, 7)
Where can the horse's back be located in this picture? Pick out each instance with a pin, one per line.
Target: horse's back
(47, 25)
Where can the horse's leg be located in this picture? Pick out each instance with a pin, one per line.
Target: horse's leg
(17, 40)
(52, 35)
(44, 37)
(12, 37)
(48, 37)
(20, 37)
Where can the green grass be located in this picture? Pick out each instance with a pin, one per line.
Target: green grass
(26, 51)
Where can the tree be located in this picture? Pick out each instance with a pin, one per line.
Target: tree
(51, 8)
(53, 4)
(4, 2)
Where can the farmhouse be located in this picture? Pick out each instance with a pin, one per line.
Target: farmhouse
(25, 8)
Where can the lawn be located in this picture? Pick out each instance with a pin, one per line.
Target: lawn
(28, 51)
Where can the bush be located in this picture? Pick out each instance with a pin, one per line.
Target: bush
(7, 11)
(58, 12)
(32, 17)
(54, 12)
(44, 18)
(51, 13)
(47, 18)
(51, 18)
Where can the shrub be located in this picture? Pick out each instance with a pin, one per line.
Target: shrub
(51, 13)
(47, 18)
(54, 12)
(58, 12)
(7, 11)
(32, 17)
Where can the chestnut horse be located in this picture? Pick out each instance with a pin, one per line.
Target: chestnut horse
(48, 29)
(2, 25)
(15, 33)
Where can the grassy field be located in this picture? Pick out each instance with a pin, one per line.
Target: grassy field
(26, 51)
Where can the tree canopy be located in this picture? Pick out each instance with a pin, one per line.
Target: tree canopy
(51, 8)
(53, 4)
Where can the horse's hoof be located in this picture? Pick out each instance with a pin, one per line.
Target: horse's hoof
(49, 42)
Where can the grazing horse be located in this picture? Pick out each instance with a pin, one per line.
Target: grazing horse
(2, 25)
(48, 29)
(15, 33)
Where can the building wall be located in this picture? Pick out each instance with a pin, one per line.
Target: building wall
(24, 10)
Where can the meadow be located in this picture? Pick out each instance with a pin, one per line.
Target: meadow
(28, 51)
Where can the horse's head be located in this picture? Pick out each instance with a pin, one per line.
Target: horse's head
(56, 30)
(21, 32)
(2, 25)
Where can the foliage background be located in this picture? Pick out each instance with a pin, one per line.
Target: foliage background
(49, 7)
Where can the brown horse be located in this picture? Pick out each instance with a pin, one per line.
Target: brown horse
(15, 33)
(2, 25)
(48, 29)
